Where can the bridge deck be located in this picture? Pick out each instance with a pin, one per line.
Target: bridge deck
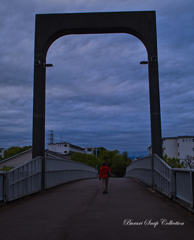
(79, 211)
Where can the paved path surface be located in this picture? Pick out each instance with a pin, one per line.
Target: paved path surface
(79, 211)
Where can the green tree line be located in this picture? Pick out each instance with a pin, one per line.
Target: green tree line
(14, 150)
(173, 162)
(116, 162)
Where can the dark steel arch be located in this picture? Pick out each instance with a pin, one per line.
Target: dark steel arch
(50, 27)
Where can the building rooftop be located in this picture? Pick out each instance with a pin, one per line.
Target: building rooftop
(66, 143)
(186, 136)
(56, 154)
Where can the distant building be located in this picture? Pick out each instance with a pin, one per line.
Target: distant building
(2, 152)
(26, 156)
(177, 147)
(56, 155)
(65, 148)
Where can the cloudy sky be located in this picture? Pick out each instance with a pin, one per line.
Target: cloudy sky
(97, 92)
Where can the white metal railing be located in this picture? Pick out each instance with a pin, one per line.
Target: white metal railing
(184, 188)
(141, 169)
(27, 178)
(24, 179)
(59, 171)
(163, 178)
(173, 182)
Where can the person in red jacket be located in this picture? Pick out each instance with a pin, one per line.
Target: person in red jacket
(104, 175)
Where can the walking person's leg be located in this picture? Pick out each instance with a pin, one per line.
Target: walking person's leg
(107, 180)
(104, 184)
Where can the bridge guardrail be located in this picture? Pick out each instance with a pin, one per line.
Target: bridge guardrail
(163, 177)
(59, 171)
(172, 182)
(184, 185)
(24, 179)
(141, 169)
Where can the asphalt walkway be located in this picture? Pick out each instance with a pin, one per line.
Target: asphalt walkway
(79, 211)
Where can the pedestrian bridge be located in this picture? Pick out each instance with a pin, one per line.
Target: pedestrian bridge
(79, 210)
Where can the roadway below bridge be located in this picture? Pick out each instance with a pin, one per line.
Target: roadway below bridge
(79, 211)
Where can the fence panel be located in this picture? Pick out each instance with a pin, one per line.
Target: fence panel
(24, 179)
(163, 177)
(184, 188)
(153, 171)
(141, 169)
(59, 171)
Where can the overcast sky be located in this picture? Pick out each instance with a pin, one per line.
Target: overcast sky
(97, 93)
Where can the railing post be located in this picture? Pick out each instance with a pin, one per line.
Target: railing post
(152, 160)
(173, 184)
(43, 174)
(4, 187)
(192, 186)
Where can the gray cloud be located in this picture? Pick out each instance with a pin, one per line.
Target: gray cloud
(97, 93)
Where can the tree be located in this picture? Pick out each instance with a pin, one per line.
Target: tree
(98, 150)
(88, 159)
(189, 161)
(119, 168)
(173, 162)
(125, 155)
(6, 168)
(109, 157)
(126, 158)
(116, 161)
(15, 150)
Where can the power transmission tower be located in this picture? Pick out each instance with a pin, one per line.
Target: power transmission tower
(51, 138)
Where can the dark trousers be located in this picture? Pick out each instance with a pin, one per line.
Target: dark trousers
(105, 184)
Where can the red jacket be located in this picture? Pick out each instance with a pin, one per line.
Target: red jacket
(103, 172)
